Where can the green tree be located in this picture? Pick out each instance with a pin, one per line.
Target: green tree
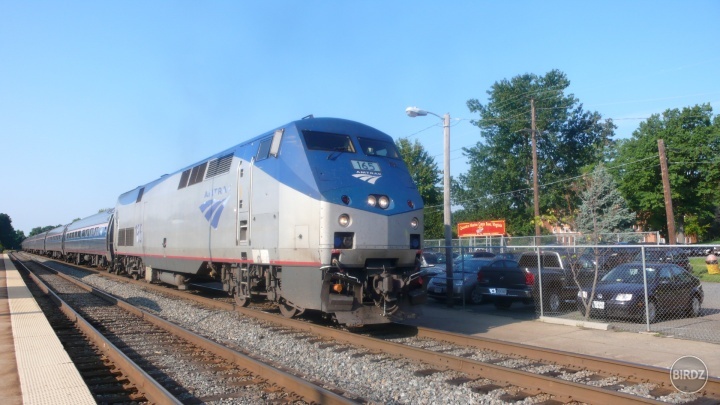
(498, 184)
(38, 230)
(426, 175)
(8, 236)
(692, 139)
(19, 238)
(603, 209)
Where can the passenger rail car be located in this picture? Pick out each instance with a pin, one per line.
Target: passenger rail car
(54, 242)
(35, 243)
(86, 240)
(320, 214)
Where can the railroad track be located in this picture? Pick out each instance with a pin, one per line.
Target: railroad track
(106, 382)
(169, 364)
(484, 366)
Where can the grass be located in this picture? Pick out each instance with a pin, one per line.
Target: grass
(700, 270)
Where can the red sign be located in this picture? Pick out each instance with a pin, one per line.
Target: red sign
(481, 228)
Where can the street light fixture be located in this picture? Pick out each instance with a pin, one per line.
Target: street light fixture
(417, 112)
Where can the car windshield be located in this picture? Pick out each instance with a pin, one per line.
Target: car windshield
(631, 274)
(470, 266)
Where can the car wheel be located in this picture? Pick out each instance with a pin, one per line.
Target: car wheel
(695, 307)
(552, 302)
(476, 297)
(501, 303)
(651, 312)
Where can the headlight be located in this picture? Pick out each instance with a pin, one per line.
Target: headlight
(344, 220)
(582, 294)
(623, 297)
(377, 200)
(414, 223)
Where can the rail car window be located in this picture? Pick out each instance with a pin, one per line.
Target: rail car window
(198, 174)
(374, 147)
(184, 179)
(328, 141)
(264, 149)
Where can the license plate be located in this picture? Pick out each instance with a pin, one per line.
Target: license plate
(439, 290)
(498, 291)
(598, 304)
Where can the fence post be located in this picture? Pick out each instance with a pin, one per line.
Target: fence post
(645, 287)
(540, 283)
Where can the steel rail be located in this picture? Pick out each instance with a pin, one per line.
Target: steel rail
(631, 371)
(152, 390)
(539, 383)
(308, 390)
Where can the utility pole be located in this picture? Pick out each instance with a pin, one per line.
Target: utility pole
(535, 169)
(672, 237)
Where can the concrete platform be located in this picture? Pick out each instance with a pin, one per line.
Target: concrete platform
(34, 366)
(643, 348)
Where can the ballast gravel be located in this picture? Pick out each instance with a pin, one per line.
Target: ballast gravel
(376, 378)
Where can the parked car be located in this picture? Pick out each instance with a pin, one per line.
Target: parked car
(607, 258)
(504, 282)
(621, 292)
(464, 280)
(508, 256)
(482, 253)
(666, 255)
(433, 265)
(434, 257)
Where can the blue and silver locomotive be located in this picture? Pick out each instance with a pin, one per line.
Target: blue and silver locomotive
(320, 214)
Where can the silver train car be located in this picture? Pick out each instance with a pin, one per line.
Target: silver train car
(86, 241)
(54, 242)
(320, 214)
(35, 243)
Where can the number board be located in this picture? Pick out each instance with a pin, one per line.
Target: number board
(368, 166)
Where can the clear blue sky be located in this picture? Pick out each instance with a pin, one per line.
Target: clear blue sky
(98, 97)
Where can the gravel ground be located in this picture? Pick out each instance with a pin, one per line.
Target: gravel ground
(377, 378)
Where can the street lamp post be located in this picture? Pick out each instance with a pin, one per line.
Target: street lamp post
(415, 112)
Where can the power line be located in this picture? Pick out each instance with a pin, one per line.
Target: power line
(545, 185)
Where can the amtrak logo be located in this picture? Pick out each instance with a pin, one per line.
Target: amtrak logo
(366, 177)
(213, 209)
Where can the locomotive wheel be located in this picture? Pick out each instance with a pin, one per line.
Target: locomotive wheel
(289, 311)
(242, 298)
(242, 301)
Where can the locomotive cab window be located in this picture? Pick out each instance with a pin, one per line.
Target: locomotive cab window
(375, 147)
(328, 141)
(264, 149)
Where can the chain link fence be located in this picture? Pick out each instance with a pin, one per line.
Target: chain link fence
(672, 290)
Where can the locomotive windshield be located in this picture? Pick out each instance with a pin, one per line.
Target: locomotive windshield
(328, 141)
(375, 147)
